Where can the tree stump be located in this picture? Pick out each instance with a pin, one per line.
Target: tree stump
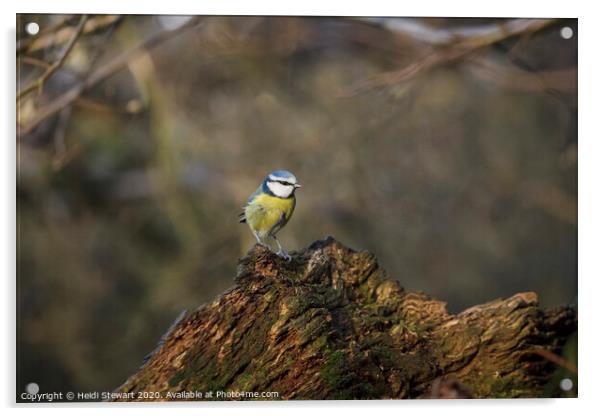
(330, 324)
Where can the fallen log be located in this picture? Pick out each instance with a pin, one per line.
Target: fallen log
(330, 324)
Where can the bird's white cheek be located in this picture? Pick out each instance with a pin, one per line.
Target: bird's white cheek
(283, 191)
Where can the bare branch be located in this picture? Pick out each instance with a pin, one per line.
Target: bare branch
(39, 83)
(24, 44)
(455, 47)
(58, 34)
(101, 74)
(29, 60)
(477, 34)
(556, 359)
(517, 78)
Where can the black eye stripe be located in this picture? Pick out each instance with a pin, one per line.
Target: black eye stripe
(282, 182)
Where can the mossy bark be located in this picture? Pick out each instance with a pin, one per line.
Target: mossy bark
(330, 325)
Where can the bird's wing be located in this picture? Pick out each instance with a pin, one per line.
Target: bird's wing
(241, 217)
(281, 222)
(284, 217)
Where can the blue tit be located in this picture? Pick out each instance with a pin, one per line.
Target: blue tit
(270, 207)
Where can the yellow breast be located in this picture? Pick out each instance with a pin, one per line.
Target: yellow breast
(266, 211)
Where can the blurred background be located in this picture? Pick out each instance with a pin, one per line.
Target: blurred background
(447, 147)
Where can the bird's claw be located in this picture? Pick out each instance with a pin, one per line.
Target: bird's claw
(284, 255)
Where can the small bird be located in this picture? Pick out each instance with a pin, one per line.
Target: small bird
(270, 207)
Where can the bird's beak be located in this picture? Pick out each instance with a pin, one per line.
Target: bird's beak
(297, 185)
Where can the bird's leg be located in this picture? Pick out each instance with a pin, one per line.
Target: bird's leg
(281, 251)
(259, 241)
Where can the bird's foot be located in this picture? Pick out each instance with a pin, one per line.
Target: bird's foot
(282, 253)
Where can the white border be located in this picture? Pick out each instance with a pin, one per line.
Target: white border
(459, 8)
(590, 206)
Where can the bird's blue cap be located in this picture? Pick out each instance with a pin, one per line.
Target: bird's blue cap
(283, 174)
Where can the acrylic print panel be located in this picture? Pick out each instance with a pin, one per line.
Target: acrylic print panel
(177, 176)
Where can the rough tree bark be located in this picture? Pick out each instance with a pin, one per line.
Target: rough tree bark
(330, 325)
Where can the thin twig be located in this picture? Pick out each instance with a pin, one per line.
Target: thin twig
(60, 132)
(60, 161)
(57, 35)
(93, 105)
(556, 359)
(513, 76)
(63, 153)
(101, 74)
(39, 83)
(24, 44)
(29, 60)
